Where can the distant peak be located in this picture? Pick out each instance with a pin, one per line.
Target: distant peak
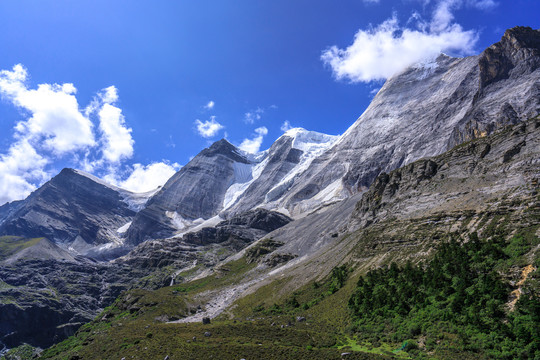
(223, 147)
(294, 132)
(305, 139)
(220, 143)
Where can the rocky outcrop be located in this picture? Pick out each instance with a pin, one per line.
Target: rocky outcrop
(45, 301)
(71, 210)
(208, 245)
(508, 89)
(470, 177)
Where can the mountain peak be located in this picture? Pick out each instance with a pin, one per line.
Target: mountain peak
(306, 140)
(518, 50)
(225, 148)
(522, 37)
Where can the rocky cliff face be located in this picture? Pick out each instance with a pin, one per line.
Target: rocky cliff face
(207, 246)
(470, 177)
(196, 191)
(73, 211)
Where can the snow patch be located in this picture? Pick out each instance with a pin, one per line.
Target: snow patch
(177, 220)
(245, 175)
(312, 144)
(200, 223)
(122, 229)
(137, 201)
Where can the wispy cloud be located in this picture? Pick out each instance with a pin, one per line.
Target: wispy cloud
(251, 116)
(386, 49)
(209, 128)
(253, 145)
(286, 126)
(210, 105)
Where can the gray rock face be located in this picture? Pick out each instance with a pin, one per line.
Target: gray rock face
(279, 161)
(426, 110)
(470, 178)
(208, 245)
(71, 210)
(196, 191)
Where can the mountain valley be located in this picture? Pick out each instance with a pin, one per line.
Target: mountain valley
(311, 249)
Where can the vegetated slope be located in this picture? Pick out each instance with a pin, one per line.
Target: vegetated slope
(300, 307)
(15, 248)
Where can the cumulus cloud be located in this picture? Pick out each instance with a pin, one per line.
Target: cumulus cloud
(54, 117)
(209, 128)
(251, 116)
(53, 127)
(146, 178)
(20, 169)
(116, 136)
(286, 126)
(382, 51)
(210, 105)
(253, 145)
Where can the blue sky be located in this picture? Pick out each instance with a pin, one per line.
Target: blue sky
(131, 90)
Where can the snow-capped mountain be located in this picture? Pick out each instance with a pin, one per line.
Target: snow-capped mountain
(420, 112)
(424, 111)
(223, 180)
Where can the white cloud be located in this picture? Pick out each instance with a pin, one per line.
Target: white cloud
(209, 128)
(20, 169)
(286, 126)
(482, 4)
(109, 95)
(146, 178)
(210, 105)
(251, 116)
(387, 49)
(253, 145)
(54, 117)
(117, 140)
(53, 127)
(371, 1)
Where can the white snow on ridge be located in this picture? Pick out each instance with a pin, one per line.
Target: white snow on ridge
(98, 180)
(245, 175)
(137, 201)
(312, 144)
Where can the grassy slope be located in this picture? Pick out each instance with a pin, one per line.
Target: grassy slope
(10, 245)
(255, 328)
